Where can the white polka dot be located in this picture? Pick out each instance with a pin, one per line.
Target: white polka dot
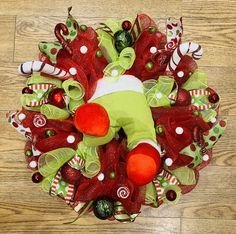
(33, 164)
(101, 177)
(114, 73)
(40, 95)
(192, 101)
(180, 74)
(168, 161)
(153, 49)
(70, 139)
(63, 183)
(159, 95)
(164, 184)
(205, 157)
(179, 130)
(83, 49)
(21, 116)
(73, 71)
(213, 120)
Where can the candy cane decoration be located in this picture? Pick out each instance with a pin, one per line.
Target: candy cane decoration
(183, 49)
(28, 68)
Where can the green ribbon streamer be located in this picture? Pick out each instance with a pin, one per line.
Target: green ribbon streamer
(90, 156)
(196, 81)
(123, 62)
(121, 215)
(24, 100)
(214, 134)
(106, 45)
(157, 91)
(74, 104)
(53, 112)
(73, 89)
(36, 78)
(50, 162)
(47, 182)
(185, 175)
(151, 195)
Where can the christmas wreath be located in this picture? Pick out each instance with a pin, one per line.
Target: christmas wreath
(117, 117)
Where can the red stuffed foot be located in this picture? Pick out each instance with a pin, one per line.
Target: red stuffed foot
(143, 164)
(92, 119)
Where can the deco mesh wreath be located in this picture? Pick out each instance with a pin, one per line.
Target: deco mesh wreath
(118, 117)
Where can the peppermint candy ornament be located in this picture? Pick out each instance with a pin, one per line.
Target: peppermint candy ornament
(39, 121)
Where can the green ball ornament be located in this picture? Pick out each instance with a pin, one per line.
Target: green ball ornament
(112, 175)
(149, 65)
(49, 133)
(152, 29)
(103, 208)
(123, 39)
(83, 27)
(28, 153)
(159, 130)
(99, 54)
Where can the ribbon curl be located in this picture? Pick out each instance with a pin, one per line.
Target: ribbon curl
(159, 93)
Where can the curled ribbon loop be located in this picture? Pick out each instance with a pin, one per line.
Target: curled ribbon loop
(159, 93)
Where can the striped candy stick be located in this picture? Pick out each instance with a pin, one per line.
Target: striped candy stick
(28, 68)
(183, 49)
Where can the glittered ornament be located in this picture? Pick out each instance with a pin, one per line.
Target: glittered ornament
(28, 153)
(123, 39)
(171, 195)
(49, 133)
(103, 208)
(213, 98)
(37, 177)
(126, 25)
(69, 174)
(56, 98)
(83, 27)
(152, 29)
(183, 98)
(149, 65)
(99, 54)
(27, 90)
(112, 175)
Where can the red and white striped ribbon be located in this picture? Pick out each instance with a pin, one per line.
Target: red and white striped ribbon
(183, 49)
(70, 193)
(77, 160)
(38, 103)
(201, 107)
(172, 179)
(197, 92)
(55, 183)
(44, 87)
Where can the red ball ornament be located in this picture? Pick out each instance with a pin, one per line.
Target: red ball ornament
(126, 25)
(37, 177)
(171, 195)
(213, 98)
(27, 90)
(69, 174)
(56, 98)
(183, 98)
